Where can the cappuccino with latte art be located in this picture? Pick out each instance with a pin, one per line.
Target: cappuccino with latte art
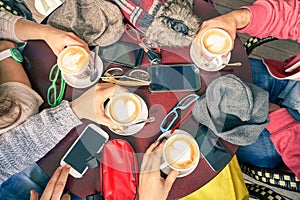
(181, 152)
(73, 60)
(215, 42)
(124, 108)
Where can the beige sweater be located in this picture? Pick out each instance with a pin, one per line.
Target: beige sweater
(7, 24)
(24, 96)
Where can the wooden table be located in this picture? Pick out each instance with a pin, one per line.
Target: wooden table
(40, 59)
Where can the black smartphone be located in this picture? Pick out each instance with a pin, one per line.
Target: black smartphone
(122, 53)
(212, 149)
(89, 143)
(179, 77)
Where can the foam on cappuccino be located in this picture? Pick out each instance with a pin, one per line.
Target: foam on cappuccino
(216, 41)
(73, 60)
(181, 152)
(125, 108)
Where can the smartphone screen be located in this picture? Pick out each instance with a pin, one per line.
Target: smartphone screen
(174, 78)
(212, 149)
(89, 143)
(126, 54)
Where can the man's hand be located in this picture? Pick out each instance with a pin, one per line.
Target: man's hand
(229, 22)
(55, 186)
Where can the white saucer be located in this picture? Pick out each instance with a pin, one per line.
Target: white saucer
(135, 128)
(84, 82)
(167, 170)
(212, 66)
(45, 7)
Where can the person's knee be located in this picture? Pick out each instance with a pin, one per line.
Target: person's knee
(262, 153)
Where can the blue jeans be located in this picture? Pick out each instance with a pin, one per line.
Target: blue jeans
(18, 186)
(261, 153)
(285, 93)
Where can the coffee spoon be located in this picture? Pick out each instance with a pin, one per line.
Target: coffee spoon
(94, 71)
(150, 119)
(236, 64)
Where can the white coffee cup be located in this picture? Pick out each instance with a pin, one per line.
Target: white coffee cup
(74, 60)
(124, 109)
(181, 153)
(212, 49)
(215, 42)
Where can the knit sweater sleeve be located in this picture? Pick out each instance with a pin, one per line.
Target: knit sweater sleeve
(280, 19)
(30, 141)
(7, 26)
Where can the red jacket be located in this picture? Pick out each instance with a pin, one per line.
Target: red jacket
(281, 19)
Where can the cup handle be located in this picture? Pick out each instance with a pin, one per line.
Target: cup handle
(218, 60)
(163, 165)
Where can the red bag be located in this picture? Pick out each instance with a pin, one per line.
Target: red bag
(119, 171)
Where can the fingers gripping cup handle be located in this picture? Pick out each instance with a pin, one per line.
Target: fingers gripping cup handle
(164, 165)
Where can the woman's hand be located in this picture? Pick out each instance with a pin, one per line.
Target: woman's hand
(151, 184)
(90, 105)
(58, 39)
(55, 38)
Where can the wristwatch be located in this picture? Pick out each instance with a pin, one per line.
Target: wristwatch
(13, 52)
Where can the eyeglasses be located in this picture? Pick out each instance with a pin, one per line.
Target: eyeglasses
(54, 97)
(135, 77)
(150, 47)
(186, 102)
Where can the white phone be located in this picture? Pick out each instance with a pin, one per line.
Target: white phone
(89, 143)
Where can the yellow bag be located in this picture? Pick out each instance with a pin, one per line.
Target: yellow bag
(227, 185)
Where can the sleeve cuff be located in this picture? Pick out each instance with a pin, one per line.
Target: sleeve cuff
(65, 114)
(256, 21)
(8, 22)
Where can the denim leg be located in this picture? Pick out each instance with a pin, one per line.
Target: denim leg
(18, 186)
(263, 79)
(262, 153)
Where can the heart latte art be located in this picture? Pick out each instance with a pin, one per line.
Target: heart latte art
(125, 108)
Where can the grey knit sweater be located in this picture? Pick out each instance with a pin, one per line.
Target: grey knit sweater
(30, 141)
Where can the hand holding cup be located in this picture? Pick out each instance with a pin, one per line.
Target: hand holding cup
(124, 110)
(211, 50)
(151, 185)
(90, 105)
(180, 153)
(75, 61)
